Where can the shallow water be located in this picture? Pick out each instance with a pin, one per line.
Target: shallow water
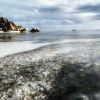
(48, 36)
(13, 43)
(80, 48)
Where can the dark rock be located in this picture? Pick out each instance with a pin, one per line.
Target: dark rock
(23, 30)
(34, 30)
(3, 20)
(7, 25)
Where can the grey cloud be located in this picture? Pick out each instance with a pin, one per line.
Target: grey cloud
(24, 13)
(49, 9)
(96, 17)
(69, 18)
(89, 8)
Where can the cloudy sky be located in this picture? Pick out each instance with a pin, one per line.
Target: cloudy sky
(53, 14)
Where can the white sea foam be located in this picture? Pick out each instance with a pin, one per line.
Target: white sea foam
(77, 40)
(7, 48)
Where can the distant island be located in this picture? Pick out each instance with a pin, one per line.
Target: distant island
(9, 26)
(74, 30)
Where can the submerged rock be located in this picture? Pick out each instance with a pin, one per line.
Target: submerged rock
(49, 79)
(78, 96)
(6, 25)
(35, 30)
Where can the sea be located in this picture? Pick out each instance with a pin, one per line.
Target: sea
(82, 48)
(65, 41)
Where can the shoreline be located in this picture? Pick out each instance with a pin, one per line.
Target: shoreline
(12, 32)
(10, 48)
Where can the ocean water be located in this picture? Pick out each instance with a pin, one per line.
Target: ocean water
(80, 48)
(66, 40)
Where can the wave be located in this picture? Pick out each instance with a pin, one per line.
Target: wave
(47, 71)
(8, 48)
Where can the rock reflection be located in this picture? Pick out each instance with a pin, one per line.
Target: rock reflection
(7, 37)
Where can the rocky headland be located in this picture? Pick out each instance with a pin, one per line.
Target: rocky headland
(9, 26)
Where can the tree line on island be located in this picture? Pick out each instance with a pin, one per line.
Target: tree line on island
(9, 26)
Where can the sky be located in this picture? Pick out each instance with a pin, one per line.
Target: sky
(53, 14)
